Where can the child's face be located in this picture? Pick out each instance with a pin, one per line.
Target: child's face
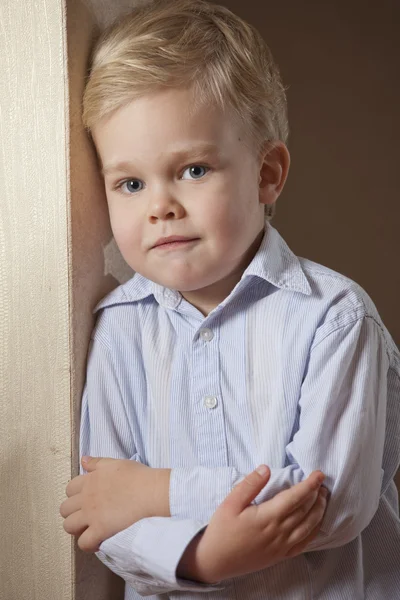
(171, 170)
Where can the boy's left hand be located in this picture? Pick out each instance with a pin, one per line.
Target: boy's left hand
(114, 494)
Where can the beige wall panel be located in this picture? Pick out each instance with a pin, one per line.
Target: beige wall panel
(35, 440)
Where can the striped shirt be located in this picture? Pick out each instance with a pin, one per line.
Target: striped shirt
(294, 369)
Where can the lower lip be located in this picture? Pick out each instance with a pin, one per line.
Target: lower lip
(175, 245)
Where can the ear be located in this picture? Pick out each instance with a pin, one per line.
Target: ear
(274, 168)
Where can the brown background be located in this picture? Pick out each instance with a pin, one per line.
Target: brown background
(340, 206)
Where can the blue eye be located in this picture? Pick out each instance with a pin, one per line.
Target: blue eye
(195, 172)
(132, 185)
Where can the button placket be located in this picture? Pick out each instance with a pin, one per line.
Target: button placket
(210, 426)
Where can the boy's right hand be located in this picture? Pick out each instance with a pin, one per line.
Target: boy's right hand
(242, 539)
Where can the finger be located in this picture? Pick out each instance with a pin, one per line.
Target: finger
(76, 523)
(75, 485)
(89, 541)
(245, 491)
(298, 515)
(312, 520)
(71, 505)
(302, 546)
(89, 463)
(287, 501)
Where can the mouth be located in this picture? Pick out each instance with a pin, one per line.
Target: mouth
(174, 242)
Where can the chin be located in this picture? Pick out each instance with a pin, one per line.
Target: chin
(183, 284)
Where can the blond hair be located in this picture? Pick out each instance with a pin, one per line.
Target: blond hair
(173, 43)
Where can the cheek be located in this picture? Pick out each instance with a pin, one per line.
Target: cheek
(232, 207)
(125, 230)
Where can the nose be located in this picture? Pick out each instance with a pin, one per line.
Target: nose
(164, 206)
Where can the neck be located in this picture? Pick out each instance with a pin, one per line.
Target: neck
(208, 298)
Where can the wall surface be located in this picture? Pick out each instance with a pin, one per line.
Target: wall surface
(56, 261)
(35, 414)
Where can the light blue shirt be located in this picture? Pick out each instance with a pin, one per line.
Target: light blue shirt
(294, 369)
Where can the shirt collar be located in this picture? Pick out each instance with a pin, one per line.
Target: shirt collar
(274, 262)
(135, 289)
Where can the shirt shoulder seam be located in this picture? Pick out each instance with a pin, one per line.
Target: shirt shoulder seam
(355, 316)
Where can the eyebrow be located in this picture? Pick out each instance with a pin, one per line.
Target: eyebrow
(195, 152)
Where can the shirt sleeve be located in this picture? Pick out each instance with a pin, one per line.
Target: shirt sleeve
(342, 420)
(146, 555)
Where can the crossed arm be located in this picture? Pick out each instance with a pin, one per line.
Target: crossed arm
(117, 493)
(349, 403)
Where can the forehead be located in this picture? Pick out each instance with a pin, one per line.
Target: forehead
(164, 122)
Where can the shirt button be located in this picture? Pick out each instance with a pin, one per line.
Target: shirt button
(210, 401)
(206, 334)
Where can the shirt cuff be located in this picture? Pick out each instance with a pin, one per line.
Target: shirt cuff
(146, 555)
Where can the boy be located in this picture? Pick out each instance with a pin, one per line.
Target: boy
(225, 350)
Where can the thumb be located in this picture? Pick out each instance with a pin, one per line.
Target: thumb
(89, 463)
(245, 491)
